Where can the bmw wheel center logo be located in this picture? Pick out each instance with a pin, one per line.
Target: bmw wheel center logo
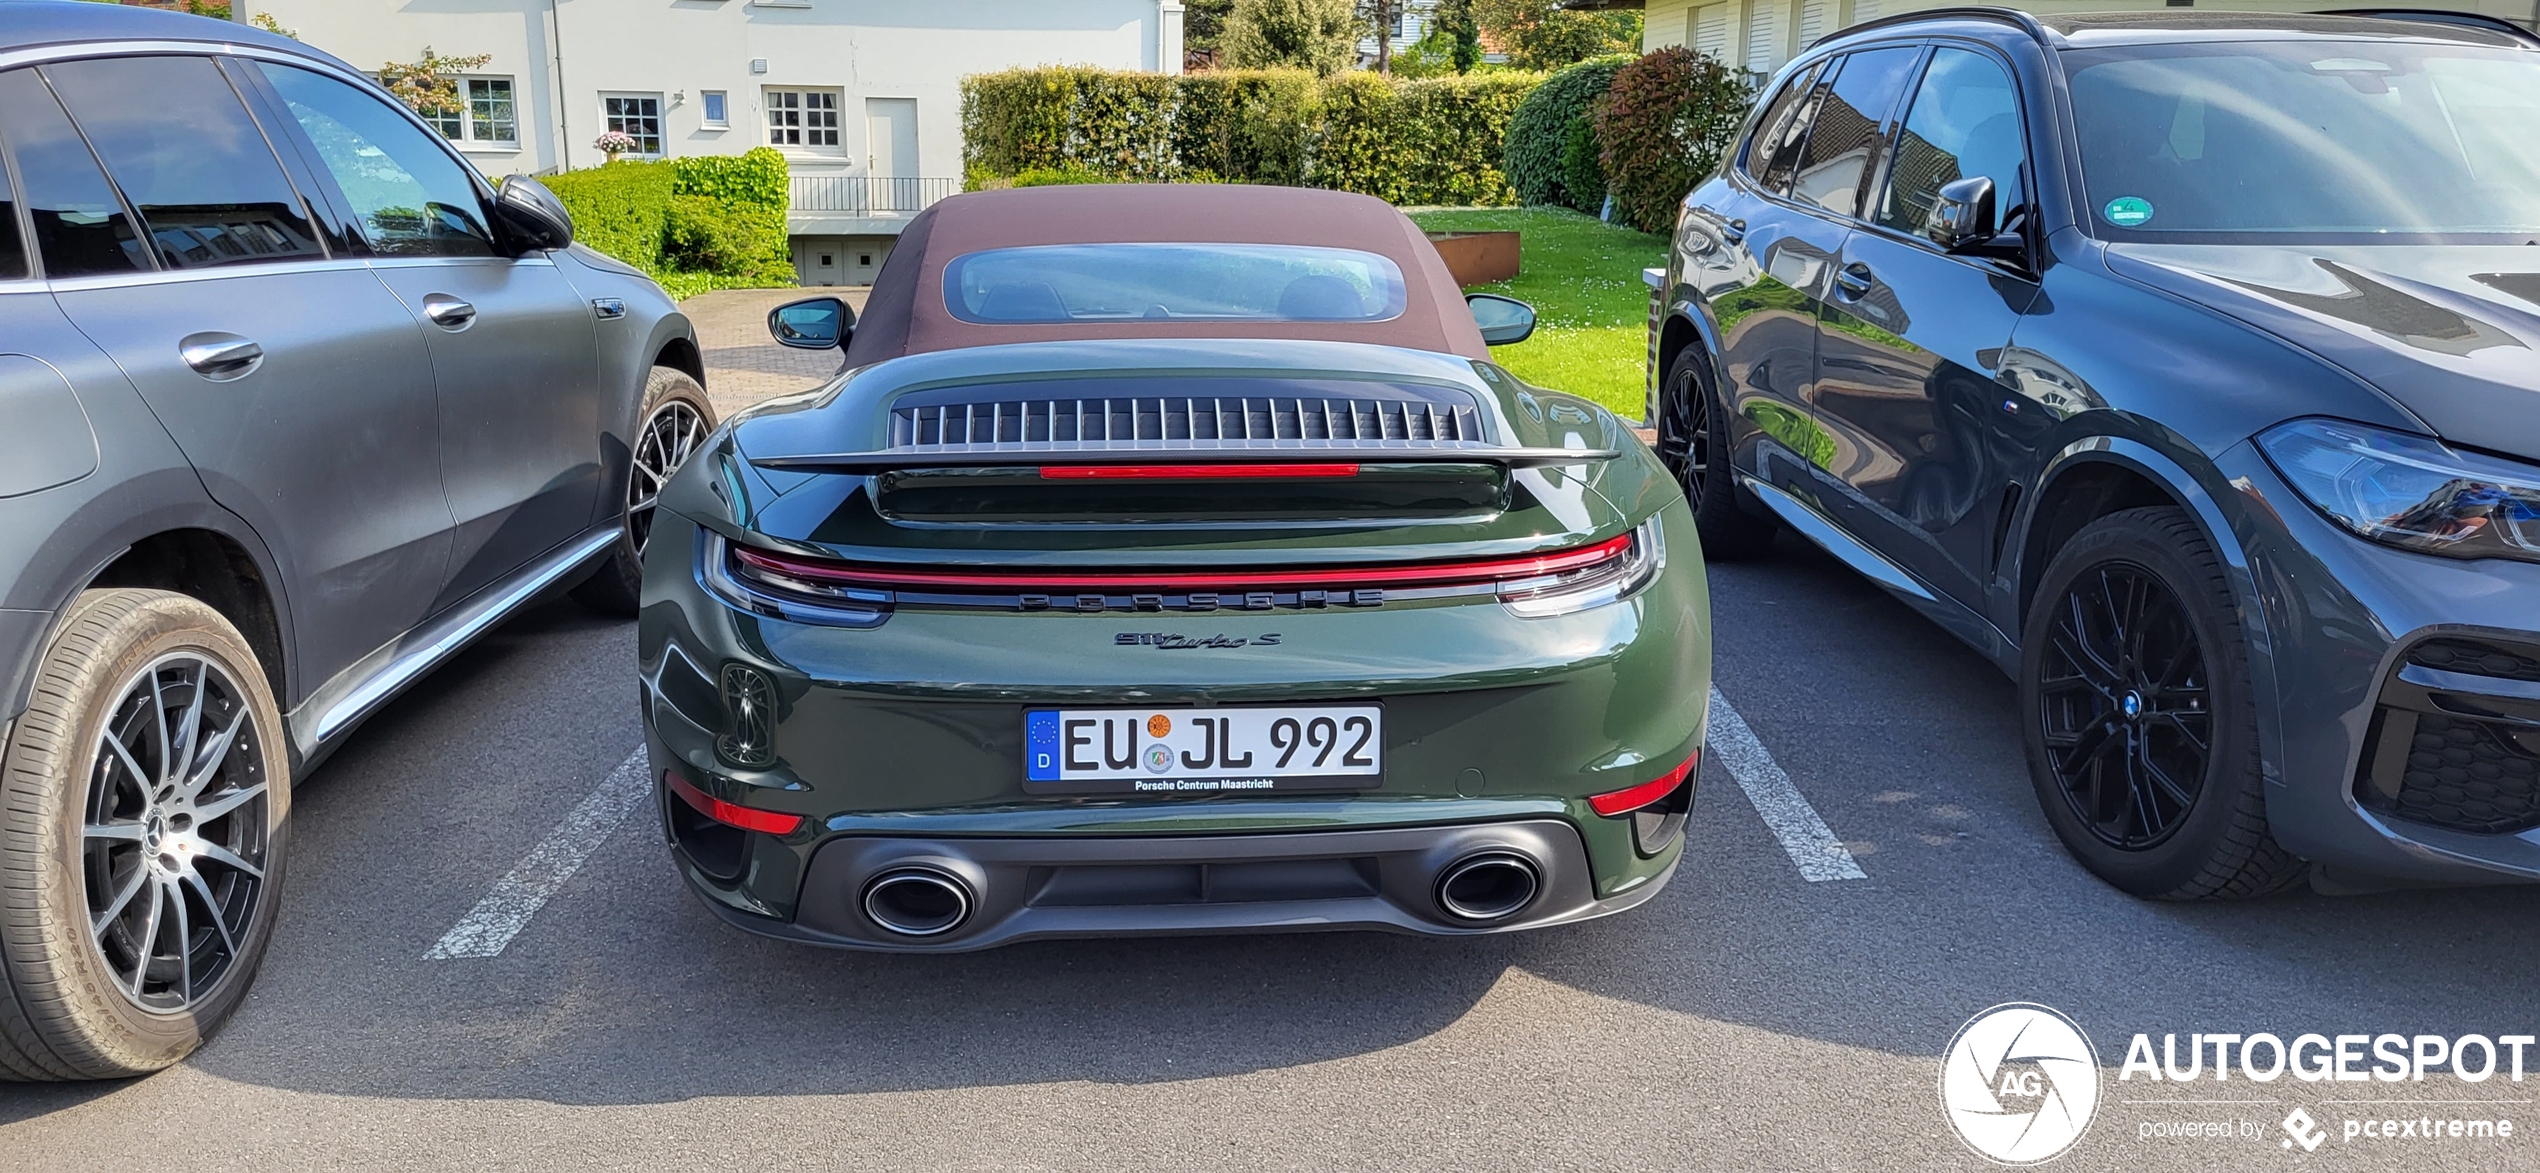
(2020, 1083)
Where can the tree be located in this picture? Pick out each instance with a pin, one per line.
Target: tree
(1540, 34)
(1203, 28)
(1380, 16)
(1320, 35)
(1662, 127)
(430, 86)
(1455, 19)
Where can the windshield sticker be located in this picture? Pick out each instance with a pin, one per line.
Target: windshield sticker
(2127, 211)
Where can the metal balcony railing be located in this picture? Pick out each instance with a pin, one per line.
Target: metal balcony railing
(868, 195)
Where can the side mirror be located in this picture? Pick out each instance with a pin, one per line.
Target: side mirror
(532, 216)
(1503, 319)
(814, 323)
(1963, 215)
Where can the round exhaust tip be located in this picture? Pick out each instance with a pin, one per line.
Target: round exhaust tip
(917, 902)
(1488, 885)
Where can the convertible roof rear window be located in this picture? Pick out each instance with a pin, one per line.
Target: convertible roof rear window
(1062, 283)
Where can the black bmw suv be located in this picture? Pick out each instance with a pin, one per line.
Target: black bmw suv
(2182, 363)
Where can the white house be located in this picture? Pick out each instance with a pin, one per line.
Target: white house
(863, 96)
(1760, 35)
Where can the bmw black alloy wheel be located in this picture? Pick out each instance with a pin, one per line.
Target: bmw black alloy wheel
(2128, 724)
(1688, 436)
(173, 835)
(672, 432)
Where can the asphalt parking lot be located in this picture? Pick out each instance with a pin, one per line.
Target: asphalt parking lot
(1748, 1018)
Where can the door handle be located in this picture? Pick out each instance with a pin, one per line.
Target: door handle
(448, 312)
(1853, 279)
(220, 357)
(1734, 231)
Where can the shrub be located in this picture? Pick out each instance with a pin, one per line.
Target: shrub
(701, 235)
(693, 224)
(1058, 176)
(1540, 132)
(620, 209)
(1662, 127)
(1582, 178)
(1433, 140)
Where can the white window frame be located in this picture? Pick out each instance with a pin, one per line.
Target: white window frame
(470, 136)
(800, 121)
(476, 138)
(661, 132)
(705, 106)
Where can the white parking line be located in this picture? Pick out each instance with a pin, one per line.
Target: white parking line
(1811, 844)
(519, 894)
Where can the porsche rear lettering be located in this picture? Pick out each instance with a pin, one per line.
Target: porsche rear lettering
(1172, 642)
(1090, 603)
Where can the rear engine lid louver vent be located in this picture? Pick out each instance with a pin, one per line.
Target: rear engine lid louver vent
(1444, 419)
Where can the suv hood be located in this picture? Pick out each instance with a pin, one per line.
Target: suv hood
(2450, 332)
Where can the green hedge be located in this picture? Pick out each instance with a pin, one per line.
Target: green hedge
(707, 222)
(1551, 130)
(1426, 141)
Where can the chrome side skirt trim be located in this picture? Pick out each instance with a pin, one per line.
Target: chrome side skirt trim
(1869, 563)
(357, 690)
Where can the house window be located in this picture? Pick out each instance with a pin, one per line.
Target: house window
(637, 116)
(718, 109)
(490, 118)
(484, 116)
(803, 118)
(864, 259)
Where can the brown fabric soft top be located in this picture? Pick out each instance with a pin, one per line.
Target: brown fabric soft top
(906, 313)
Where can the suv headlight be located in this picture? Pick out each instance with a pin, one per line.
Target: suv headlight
(2409, 491)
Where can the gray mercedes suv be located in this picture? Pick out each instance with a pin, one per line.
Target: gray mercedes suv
(293, 404)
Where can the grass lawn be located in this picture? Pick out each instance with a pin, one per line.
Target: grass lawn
(1583, 278)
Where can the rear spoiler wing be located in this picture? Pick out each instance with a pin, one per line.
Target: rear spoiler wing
(1049, 455)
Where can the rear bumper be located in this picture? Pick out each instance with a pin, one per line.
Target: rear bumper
(1025, 889)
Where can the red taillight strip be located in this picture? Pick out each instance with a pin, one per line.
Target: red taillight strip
(1192, 472)
(1632, 798)
(1428, 574)
(732, 814)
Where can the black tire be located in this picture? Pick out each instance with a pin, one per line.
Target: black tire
(140, 847)
(675, 418)
(1733, 525)
(2139, 714)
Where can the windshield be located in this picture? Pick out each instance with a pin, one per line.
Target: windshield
(2344, 141)
(1169, 282)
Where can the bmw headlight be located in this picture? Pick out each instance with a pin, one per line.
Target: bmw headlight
(2409, 491)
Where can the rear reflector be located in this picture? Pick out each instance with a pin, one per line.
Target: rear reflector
(732, 814)
(1632, 798)
(827, 573)
(1192, 472)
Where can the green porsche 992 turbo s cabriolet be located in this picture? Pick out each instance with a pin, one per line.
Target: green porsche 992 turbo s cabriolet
(1170, 560)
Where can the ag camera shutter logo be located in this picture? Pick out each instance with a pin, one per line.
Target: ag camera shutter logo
(2020, 1083)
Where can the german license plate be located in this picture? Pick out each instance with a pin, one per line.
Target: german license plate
(1202, 751)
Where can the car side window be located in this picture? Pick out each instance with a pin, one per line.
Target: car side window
(1780, 131)
(1965, 121)
(409, 196)
(191, 163)
(1850, 133)
(80, 227)
(12, 252)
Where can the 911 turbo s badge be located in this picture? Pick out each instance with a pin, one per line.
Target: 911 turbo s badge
(1171, 642)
